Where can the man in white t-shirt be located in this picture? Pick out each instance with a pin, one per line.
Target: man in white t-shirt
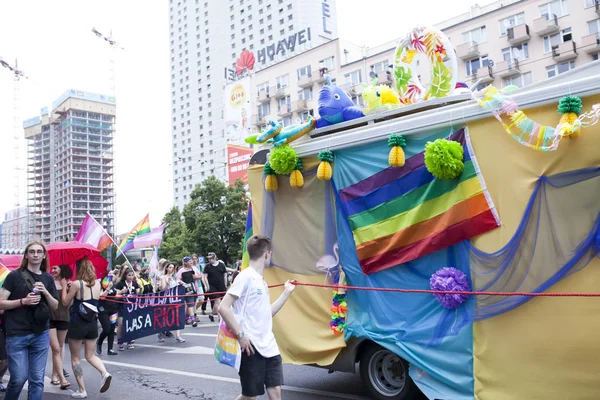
(248, 313)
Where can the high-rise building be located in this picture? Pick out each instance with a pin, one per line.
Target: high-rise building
(70, 165)
(207, 41)
(15, 229)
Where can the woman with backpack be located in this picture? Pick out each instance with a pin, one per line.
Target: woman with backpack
(83, 327)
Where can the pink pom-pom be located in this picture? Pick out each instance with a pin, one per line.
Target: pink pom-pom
(508, 107)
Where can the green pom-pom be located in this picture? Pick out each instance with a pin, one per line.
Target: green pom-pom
(444, 158)
(396, 140)
(283, 159)
(268, 170)
(325, 155)
(570, 104)
(299, 165)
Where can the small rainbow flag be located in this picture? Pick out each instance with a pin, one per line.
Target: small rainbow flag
(3, 274)
(401, 214)
(113, 318)
(247, 235)
(142, 227)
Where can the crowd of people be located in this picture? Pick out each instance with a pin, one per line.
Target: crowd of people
(42, 307)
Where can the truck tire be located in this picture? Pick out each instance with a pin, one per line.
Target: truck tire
(385, 374)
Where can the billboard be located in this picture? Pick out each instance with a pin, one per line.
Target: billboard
(237, 110)
(238, 159)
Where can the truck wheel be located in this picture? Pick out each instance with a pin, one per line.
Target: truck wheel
(385, 374)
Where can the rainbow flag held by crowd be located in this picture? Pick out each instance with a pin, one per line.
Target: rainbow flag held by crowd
(91, 232)
(3, 274)
(142, 227)
(401, 214)
(248, 233)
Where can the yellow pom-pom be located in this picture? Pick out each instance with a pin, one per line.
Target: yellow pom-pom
(296, 179)
(324, 172)
(396, 158)
(271, 183)
(567, 121)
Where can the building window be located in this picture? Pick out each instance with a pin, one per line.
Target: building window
(282, 81)
(287, 121)
(353, 78)
(510, 22)
(559, 8)
(520, 52)
(594, 26)
(558, 69)
(554, 40)
(476, 63)
(380, 66)
(326, 63)
(282, 32)
(263, 87)
(358, 101)
(595, 57)
(477, 35)
(304, 71)
(264, 110)
(590, 3)
(305, 94)
(520, 81)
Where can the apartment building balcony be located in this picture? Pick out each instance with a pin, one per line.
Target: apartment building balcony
(467, 50)
(353, 89)
(260, 120)
(518, 34)
(566, 51)
(263, 96)
(508, 69)
(545, 25)
(591, 43)
(484, 75)
(597, 5)
(299, 106)
(306, 81)
(321, 77)
(279, 92)
(384, 77)
(285, 110)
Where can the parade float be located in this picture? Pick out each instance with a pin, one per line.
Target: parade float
(439, 211)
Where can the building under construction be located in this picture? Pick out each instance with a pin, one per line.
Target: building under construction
(70, 166)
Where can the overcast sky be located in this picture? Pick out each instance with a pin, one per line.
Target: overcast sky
(57, 51)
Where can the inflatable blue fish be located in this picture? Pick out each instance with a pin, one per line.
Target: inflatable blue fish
(335, 106)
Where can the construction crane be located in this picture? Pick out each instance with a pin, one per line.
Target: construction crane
(114, 45)
(17, 75)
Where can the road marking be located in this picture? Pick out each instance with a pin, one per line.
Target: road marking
(198, 350)
(201, 334)
(234, 380)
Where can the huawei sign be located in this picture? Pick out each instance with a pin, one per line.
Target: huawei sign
(245, 62)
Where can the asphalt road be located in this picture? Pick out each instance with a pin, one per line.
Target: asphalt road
(174, 371)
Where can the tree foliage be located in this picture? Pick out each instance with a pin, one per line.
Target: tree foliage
(213, 221)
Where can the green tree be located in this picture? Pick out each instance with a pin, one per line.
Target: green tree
(216, 217)
(176, 238)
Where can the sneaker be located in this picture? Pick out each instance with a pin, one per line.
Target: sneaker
(79, 395)
(130, 346)
(160, 338)
(212, 318)
(169, 334)
(111, 352)
(98, 349)
(194, 324)
(197, 318)
(106, 378)
(179, 339)
(66, 374)
(121, 347)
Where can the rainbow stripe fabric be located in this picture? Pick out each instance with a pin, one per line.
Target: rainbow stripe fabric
(401, 214)
(3, 274)
(227, 349)
(142, 227)
(247, 235)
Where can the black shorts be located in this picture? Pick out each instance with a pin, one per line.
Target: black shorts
(258, 372)
(83, 330)
(214, 296)
(3, 355)
(59, 325)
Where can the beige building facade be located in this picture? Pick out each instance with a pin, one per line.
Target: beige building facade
(504, 43)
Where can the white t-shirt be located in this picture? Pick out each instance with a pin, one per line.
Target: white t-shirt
(252, 310)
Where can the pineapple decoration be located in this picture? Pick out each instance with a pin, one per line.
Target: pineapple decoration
(271, 184)
(570, 108)
(324, 172)
(296, 178)
(396, 143)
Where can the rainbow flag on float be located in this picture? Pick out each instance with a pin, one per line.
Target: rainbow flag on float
(400, 214)
(91, 232)
(142, 227)
(248, 233)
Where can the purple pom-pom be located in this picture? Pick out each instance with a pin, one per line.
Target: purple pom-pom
(450, 279)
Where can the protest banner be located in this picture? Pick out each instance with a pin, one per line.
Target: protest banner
(153, 313)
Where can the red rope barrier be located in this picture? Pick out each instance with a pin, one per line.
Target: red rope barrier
(363, 288)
